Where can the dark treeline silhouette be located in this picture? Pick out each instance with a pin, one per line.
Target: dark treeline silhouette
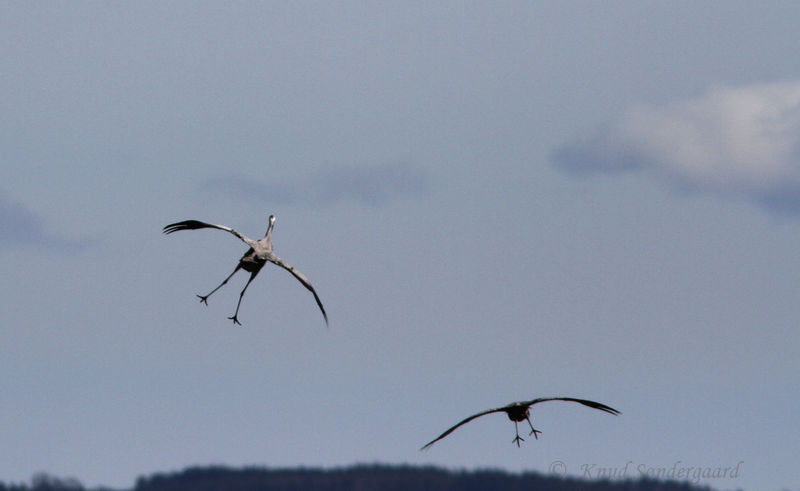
(376, 477)
(46, 482)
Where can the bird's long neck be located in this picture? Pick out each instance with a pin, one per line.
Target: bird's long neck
(268, 235)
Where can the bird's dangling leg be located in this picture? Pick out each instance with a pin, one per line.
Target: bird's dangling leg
(534, 431)
(204, 299)
(234, 318)
(518, 438)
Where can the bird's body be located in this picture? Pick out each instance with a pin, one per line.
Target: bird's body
(517, 411)
(521, 411)
(259, 254)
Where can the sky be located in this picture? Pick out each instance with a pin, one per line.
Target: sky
(494, 201)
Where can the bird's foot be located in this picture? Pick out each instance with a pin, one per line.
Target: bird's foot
(517, 440)
(203, 299)
(535, 433)
(235, 320)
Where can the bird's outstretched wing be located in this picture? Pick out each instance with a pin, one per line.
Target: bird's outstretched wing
(462, 422)
(195, 225)
(585, 402)
(301, 277)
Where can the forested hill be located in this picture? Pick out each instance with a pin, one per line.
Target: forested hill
(360, 478)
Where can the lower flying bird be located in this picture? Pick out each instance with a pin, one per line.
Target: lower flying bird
(254, 259)
(521, 411)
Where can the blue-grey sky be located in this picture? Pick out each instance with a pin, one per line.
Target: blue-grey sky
(495, 202)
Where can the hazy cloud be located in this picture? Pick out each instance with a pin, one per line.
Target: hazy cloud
(369, 186)
(741, 141)
(20, 227)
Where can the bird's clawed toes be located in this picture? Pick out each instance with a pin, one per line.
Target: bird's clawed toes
(235, 320)
(518, 439)
(535, 433)
(203, 299)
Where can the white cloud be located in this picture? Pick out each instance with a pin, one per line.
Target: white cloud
(743, 141)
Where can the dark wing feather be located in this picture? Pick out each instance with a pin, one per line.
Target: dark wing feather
(187, 225)
(585, 402)
(462, 422)
(301, 277)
